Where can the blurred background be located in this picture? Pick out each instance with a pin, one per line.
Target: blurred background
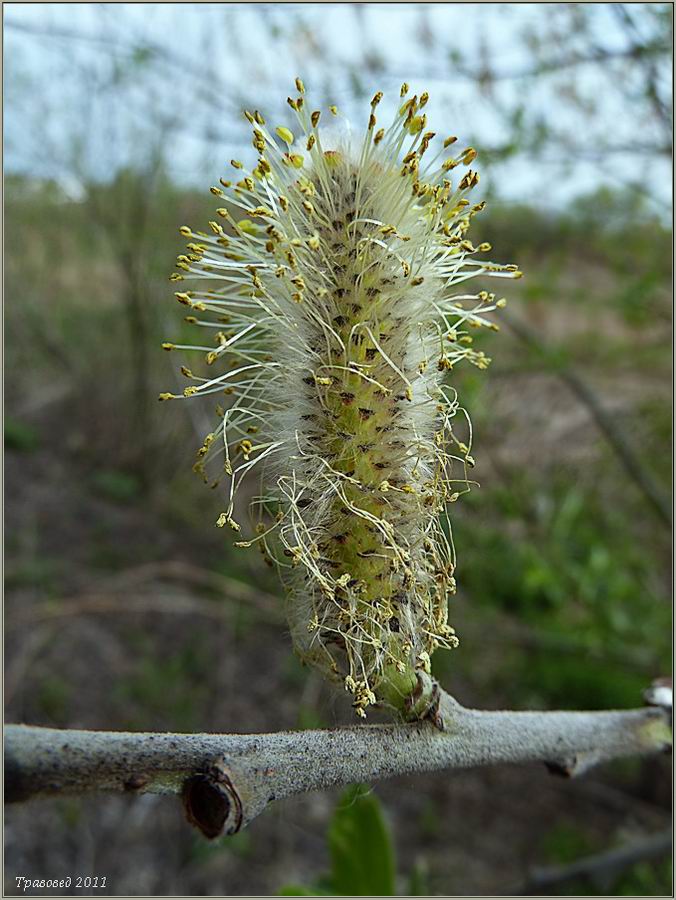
(127, 609)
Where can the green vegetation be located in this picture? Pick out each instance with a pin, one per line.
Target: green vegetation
(20, 436)
(566, 843)
(361, 851)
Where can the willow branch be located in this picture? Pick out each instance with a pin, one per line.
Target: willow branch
(227, 780)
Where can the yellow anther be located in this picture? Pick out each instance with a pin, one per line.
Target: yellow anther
(247, 226)
(416, 124)
(404, 90)
(224, 519)
(449, 141)
(314, 118)
(468, 181)
(166, 396)
(216, 191)
(236, 163)
(189, 391)
(300, 87)
(185, 231)
(246, 447)
(167, 346)
(285, 134)
(333, 110)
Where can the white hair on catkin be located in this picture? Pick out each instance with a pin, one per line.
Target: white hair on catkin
(329, 294)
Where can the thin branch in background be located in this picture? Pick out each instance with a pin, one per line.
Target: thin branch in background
(602, 869)
(607, 423)
(122, 594)
(649, 63)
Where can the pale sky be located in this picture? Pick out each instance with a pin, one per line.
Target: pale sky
(214, 58)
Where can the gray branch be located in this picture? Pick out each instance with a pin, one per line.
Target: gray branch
(227, 780)
(601, 869)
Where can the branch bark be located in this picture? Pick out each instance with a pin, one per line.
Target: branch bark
(227, 780)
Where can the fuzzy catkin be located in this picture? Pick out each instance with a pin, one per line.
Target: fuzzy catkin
(330, 291)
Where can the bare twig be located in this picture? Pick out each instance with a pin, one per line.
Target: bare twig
(121, 594)
(116, 604)
(601, 867)
(227, 780)
(605, 421)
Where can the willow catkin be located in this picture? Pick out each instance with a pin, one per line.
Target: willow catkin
(330, 296)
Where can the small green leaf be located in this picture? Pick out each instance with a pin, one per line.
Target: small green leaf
(362, 856)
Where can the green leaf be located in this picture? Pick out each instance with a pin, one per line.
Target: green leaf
(362, 856)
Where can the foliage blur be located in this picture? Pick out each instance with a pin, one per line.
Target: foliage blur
(125, 608)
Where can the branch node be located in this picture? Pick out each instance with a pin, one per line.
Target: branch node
(211, 802)
(136, 783)
(661, 694)
(561, 768)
